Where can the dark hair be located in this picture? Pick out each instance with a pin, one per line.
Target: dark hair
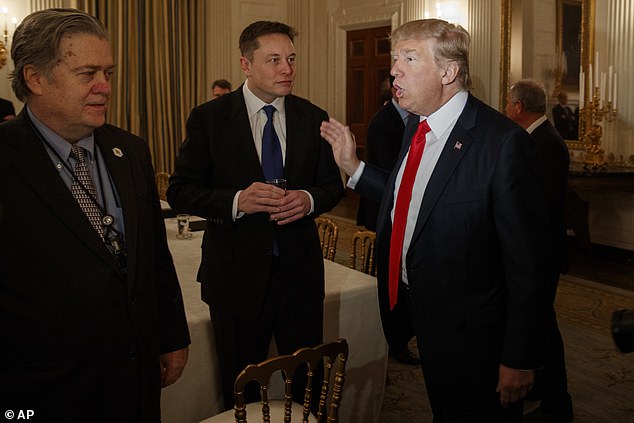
(37, 39)
(249, 38)
(222, 83)
(531, 94)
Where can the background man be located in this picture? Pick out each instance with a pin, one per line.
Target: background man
(462, 232)
(220, 87)
(262, 271)
(383, 145)
(565, 120)
(92, 318)
(526, 105)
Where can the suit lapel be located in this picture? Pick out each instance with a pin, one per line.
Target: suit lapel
(36, 168)
(455, 148)
(296, 125)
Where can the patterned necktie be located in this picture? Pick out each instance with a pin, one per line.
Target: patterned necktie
(402, 207)
(272, 164)
(84, 191)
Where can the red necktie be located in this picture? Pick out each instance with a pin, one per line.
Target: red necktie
(402, 207)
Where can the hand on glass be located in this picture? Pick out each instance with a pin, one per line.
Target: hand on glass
(261, 197)
(296, 205)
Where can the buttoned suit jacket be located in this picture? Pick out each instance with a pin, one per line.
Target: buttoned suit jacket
(218, 158)
(383, 144)
(81, 338)
(475, 262)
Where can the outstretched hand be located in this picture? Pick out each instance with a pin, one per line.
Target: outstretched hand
(344, 148)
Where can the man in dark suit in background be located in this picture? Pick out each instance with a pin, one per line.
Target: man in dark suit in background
(92, 319)
(7, 111)
(462, 236)
(262, 271)
(383, 145)
(565, 120)
(526, 105)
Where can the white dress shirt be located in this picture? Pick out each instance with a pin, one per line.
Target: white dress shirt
(441, 123)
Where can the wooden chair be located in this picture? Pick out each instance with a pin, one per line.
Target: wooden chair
(333, 355)
(362, 252)
(328, 234)
(162, 182)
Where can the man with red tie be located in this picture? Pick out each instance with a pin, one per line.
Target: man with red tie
(461, 232)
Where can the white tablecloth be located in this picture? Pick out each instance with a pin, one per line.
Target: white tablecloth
(350, 312)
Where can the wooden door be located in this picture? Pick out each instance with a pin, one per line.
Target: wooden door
(369, 63)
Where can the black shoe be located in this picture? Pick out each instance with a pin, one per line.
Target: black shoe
(543, 415)
(407, 357)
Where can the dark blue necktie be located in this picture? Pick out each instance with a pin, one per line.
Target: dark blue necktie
(272, 164)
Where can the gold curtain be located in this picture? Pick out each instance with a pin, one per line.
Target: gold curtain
(159, 48)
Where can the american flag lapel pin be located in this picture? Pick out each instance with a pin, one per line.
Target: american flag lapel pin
(457, 145)
(117, 152)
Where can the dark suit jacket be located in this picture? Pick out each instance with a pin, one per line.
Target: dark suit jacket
(217, 159)
(565, 122)
(475, 262)
(6, 109)
(554, 160)
(81, 338)
(383, 144)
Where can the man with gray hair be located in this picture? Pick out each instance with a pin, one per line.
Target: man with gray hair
(91, 314)
(526, 105)
(461, 230)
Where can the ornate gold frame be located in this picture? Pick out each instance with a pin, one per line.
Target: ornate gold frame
(587, 46)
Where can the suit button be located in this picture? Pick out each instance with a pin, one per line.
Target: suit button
(132, 355)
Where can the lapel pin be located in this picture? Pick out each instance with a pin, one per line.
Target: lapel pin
(117, 152)
(458, 145)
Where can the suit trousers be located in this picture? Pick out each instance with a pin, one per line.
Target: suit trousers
(243, 342)
(462, 398)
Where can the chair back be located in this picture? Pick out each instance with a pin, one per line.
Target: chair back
(162, 182)
(328, 234)
(333, 355)
(362, 252)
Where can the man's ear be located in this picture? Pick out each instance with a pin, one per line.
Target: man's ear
(451, 73)
(245, 65)
(33, 78)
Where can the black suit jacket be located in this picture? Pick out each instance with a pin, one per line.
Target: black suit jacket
(385, 134)
(217, 159)
(81, 337)
(476, 261)
(554, 160)
(566, 122)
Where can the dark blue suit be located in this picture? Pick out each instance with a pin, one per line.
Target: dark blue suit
(475, 264)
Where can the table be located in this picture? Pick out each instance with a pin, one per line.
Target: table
(350, 311)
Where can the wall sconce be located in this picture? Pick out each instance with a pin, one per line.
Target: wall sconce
(4, 42)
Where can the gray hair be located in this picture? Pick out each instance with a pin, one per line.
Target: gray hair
(531, 94)
(37, 39)
(452, 43)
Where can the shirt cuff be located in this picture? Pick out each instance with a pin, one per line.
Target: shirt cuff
(354, 179)
(235, 215)
(312, 201)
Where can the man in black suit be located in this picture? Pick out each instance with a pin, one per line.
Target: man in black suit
(467, 251)
(7, 111)
(92, 319)
(262, 271)
(565, 120)
(383, 145)
(526, 105)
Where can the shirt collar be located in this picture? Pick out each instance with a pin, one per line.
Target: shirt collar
(254, 104)
(59, 144)
(535, 124)
(445, 117)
